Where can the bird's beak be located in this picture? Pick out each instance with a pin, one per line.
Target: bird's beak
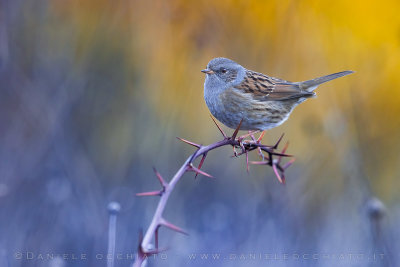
(207, 71)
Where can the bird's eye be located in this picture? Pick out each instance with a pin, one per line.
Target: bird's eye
(223, 70)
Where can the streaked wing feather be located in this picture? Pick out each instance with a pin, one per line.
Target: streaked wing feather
(265, 88)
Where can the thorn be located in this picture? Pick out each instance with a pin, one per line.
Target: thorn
(287, 165)
(237, 130)
(188, 142)
(281, 155)
(283, 178)
(283, 152)
(269, 151)
(219, 128)
(159, 177)
(277, 143)
(155, 193)
(277, 174)
(152, 193)
(194, 169)
(250, 133)
(172, 226)
(261, 137)
(285, 147)
(201, 163)
(259, 162)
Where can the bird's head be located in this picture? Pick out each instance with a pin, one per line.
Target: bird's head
(222, 73)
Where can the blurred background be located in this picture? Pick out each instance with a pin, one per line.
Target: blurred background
(93, 94)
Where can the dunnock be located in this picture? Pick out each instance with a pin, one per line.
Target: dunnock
(233, 93)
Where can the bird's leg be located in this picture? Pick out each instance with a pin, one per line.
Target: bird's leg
(241, 145)
(234, 152)
(233, 137)
(258, 141)
(261, 154)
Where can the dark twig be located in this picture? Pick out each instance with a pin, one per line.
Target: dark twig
(246, 146)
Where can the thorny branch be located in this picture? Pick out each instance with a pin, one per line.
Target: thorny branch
(245, 143)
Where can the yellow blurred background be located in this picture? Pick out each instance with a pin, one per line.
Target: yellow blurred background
(103, 87)
(166, 44)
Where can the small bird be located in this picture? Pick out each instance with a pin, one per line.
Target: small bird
(234, 93)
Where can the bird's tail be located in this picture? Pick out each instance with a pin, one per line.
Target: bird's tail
(311, 85)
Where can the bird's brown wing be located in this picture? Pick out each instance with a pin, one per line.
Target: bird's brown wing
(264, 88)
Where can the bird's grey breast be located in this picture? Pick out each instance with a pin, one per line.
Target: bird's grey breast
(213, 87)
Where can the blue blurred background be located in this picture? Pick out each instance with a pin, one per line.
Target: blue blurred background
(93, 94)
